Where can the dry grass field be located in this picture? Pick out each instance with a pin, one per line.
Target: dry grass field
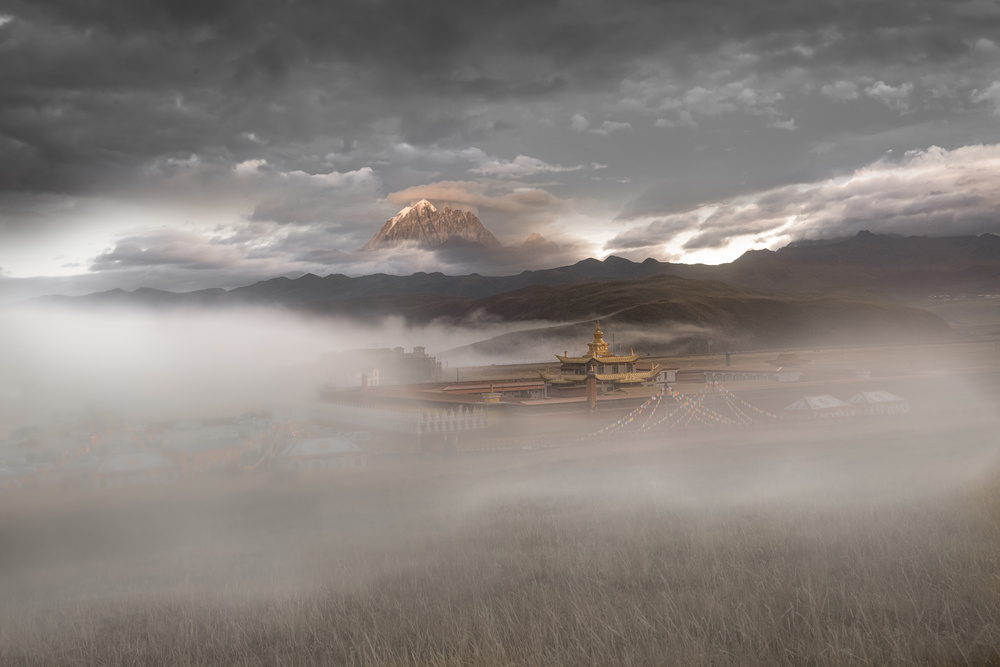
(868, 544)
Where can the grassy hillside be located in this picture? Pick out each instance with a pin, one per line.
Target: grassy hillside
(733, 311)
(836, 547)
(670, 314)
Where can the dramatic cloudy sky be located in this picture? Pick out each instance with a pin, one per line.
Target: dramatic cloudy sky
(199, 143)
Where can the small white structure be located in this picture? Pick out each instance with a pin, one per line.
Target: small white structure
(323, 454)
(819, 407)
(874, 403)
(134, 468)
(667, 375)
(788, 375)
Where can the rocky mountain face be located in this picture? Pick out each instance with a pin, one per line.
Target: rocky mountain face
(427, 227)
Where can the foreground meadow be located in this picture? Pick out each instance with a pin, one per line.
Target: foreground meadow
(862, 545)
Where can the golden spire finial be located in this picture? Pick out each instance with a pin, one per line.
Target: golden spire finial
(598, 348)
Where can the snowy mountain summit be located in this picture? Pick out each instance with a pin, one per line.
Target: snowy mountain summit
(425, 226)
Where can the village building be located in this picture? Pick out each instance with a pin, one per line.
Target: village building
(376, 366)
(134, 468)
(209, 456)
(256, 420)
(319, 454)
(197, 448)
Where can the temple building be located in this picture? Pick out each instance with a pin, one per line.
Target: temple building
(608, 371)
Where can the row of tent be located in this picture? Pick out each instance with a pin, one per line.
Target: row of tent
(862, 404)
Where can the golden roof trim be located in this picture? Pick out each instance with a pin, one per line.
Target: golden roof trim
(638, 376)
(559, 378)
(629, 377)
(602, 360)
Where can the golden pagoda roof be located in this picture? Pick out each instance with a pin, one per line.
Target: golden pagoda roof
(598, 351)
(636, 376)
(624, 359)
(559, 378)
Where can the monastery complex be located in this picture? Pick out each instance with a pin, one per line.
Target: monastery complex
(608, 371)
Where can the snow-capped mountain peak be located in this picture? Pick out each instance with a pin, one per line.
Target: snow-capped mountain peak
(423, 225)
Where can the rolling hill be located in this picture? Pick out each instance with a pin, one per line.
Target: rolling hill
(735, 317)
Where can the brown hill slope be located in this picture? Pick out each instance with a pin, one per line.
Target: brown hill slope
(742, 317)
(736, 317)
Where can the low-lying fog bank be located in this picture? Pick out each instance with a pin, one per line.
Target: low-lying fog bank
(179, 363)
(869, 544)
(868, 540)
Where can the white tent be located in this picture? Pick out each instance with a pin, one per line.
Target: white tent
(323, 454)
(134, 468)
(870, 403)
(824, 406)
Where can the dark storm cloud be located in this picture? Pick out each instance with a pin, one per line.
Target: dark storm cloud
(316, 120)
(91, 89)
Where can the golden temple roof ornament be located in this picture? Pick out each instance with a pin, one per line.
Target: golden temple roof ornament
(598, 348)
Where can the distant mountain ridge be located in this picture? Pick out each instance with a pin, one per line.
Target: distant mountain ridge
(427, 227)
(839, 292)
(902, 267)
(866, 248)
